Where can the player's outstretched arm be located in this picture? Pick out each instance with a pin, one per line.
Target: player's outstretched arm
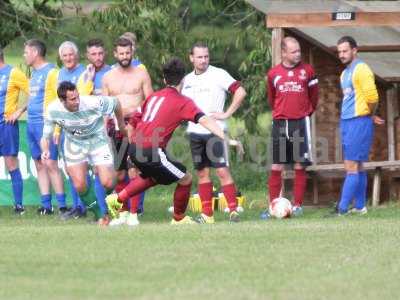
(211, 125)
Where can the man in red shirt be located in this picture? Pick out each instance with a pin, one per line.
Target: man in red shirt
(162, 112)
(293, 97)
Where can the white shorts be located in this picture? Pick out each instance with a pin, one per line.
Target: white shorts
(92, 151)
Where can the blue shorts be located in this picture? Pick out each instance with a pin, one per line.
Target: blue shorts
(357, 135)
(34, 133)
(9, 139)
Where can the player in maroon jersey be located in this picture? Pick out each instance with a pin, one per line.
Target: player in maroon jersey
(161, 113)
(293, 97)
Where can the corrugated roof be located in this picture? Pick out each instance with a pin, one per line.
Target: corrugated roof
(384, 64)
(315, 6)
(365, 36)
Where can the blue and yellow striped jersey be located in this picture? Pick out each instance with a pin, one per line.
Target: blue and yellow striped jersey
(359, 90)
(98, 79)
(78, 77)
(71, 75)
(42, 91)
(12, 81)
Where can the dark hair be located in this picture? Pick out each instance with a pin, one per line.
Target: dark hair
(38, 45)
(348, 39)
(63, 88)
(95, 43)
(122, 42)
(174, 71)
(198, 45)
(1, 54)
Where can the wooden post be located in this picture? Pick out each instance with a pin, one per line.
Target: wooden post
(338, 146)
(313, 142)
(315, 188)
(277, 36)
(313, 121)
(376, 189)
(390, 98)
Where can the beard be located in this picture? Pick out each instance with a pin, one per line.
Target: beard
(125, 63)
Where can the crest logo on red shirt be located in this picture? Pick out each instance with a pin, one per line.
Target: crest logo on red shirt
(303, 74)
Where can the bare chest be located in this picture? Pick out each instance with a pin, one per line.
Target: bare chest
(125, 84)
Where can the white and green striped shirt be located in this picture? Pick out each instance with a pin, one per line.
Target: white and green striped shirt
(83, 124)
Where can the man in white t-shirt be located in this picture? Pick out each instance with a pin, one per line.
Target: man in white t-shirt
(207, 86)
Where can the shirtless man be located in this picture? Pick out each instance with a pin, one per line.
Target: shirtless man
(132, 85)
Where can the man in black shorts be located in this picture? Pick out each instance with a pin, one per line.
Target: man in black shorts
(208, 87)
(162, 113)
(293, 97)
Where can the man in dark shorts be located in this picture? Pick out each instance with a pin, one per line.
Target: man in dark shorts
(161, 113)
(293, 97)
(209, 86)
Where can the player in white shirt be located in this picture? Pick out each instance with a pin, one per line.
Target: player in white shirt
(86, 141)
(208, 86)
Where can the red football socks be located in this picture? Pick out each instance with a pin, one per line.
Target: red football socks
(229, 191)
(134, 203)
(181, 200)
(300, 181)
(118, 188)
(275, 184)
(135, 186)
(206, 193)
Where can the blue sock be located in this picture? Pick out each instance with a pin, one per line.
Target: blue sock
(361, 193)
(349, 190)
(74, 194)
(61, 200)
(17, 185)
(141, 202)
(100, 194)
(46, 201)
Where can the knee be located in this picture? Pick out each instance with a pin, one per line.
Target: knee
(11, 163)
(108, 183)
(52, 166)
(121, 176)
(203, 174)
(223, 174)
(277, 167)
(298, 166)
(351, 166)
(80, 186)
(186, 180)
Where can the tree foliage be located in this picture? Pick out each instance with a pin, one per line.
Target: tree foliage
(18, 18)
(233, 30)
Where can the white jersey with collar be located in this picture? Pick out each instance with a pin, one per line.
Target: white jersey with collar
(208, 90)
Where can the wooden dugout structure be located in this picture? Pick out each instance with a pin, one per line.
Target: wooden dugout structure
(318, 25)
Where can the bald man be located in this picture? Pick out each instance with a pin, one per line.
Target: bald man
(293, 97)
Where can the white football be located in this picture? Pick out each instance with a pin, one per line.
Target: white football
(280, 208)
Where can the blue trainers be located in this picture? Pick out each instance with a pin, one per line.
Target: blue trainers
(265, 215)
(297, 211)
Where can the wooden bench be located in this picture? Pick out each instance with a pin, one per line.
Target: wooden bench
(337, 170)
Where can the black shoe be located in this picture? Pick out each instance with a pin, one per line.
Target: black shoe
(140, 211)
(19, 209)
(45, 211)
(63, 210)
(74, 213)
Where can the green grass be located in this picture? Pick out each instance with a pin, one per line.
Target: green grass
(304, 258)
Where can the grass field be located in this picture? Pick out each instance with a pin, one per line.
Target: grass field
(311, 257)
